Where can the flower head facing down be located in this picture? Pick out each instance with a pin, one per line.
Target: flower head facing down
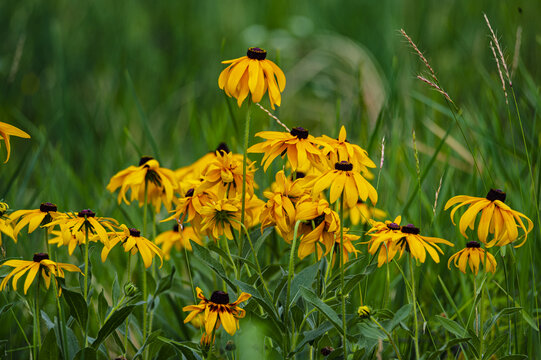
(133, 242)
(221, 217)
(253, 74)
(33, 218)
(473, 255)
(496, 218)
(7, 130)
(159, 183)
(217, 311)
(40, 262)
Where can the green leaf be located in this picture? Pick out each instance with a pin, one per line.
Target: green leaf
(165, 282)
(401, 315)
(304, 278)
(49, 349)
(325, 309)
(112, 324)
(152, 338)
(5, 308)
(185, 348)
(495, 345)
(204, 255)
(77, 306)
(116, 290)
(514, 357)
(86, 354)
(312, 335)
(527, 317)
(452, 326)
(449, 345)
(490, 322)
(102, 307)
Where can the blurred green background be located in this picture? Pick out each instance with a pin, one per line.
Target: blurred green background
(99, 83)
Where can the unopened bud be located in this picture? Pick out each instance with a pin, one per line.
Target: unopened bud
(130, 289)
(363, 312)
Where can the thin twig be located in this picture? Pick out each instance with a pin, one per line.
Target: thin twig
(497, 43)
(435, 87)
(274, 117)
(499, 71)
(425, 61)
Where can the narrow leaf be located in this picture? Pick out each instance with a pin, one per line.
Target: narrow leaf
(112, 324)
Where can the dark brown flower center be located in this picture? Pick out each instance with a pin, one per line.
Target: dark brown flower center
(177, 227)
(145, 159)
(86, 212)
(46, 207)
(223, 147)
(40, 256)
(344, 166)
(393, 226)
(256, 53)
(410, 229)
(299, 175)
(299, 132)
(473, 244)
(135, 232)
(496, 194)
(219, 297)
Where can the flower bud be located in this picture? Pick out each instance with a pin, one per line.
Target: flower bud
(363, 312)
(130, 289)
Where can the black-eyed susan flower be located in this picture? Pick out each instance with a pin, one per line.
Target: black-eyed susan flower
(40, 262)
(221, 217)
(342, 150)
(496, 218)
(179, 237)
(217, 310)
(473, 255)
(417, 245)
(302, 149)
(224, 176)
(160, 183)
(85, 221)
(320, 226)
(189, 207)
(253, 209)
(279, 209)
(133, 242)
(33, 218)
(362, 213)
(253, 74)
(7, 130)
(5, 222)
(383, 237)
(345, 182)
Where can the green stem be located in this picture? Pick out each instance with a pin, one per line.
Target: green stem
(414, 299)
(62, 328)
(37, 337)
(388, 336)
(126, 332)
(145, 287)
(342, 270)
(190, 274)
(244, 162)
(290, 273)
(85, 290)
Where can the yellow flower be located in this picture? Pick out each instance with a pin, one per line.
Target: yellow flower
(321, 225)
(220, 217)
(5, 222)
(345, 182)
(473, 255)
(342, 150)
(179, 237)
(40, 261)
(496, 218)
(348, 247)
(34, 218)
(224, 176)
(253, 73)
(133, 242)
(82, 221)
(279, 210)
(301, 148)
(217, 310)
(7, 130)
(67, 237)
(189, 208)
(418, 245)
(161, 183)
(362, 213)
(383, 238)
